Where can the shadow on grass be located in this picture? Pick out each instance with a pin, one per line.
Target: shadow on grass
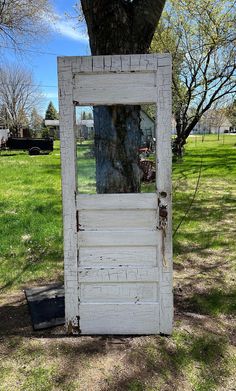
(12, 281)
(162, 362)
(213, 302)
(141, 363)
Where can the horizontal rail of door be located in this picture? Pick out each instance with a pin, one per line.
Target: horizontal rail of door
(118, 274)
(117, 201)
(118, 238)
(120, 88)
(119, 318)
(117, 220)
(115, 292)
(113, 256)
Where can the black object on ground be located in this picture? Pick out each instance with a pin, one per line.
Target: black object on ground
(33, 145)
(46, 305)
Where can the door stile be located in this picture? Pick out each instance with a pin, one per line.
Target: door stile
(69, 190)
(163, 184)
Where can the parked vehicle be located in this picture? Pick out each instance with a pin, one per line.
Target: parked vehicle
(33, 145)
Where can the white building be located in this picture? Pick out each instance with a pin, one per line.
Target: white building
(214, 122)
(4, 133)
(85, 128)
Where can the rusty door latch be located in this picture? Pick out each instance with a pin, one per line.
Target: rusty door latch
(163, 215)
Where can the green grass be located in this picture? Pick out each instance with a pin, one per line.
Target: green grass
(199, 356)
(30, 218)
(86, 168)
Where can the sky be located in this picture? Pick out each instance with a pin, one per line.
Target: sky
(63, 40)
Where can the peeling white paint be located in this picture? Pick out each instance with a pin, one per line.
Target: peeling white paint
(116, 281)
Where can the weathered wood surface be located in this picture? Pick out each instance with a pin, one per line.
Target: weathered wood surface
(118, 220)
(118, 256)
(111, 89)
(163, 181)
(115, 292)
(118, 276)
(118, 238)
(69, 188)
(117, 201)
(121, 318)
(117, 63)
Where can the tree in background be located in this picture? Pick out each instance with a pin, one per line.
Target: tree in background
(5, 120)
(23, 21)
(201, 37)
(231, 113)
(86, 115)
(18, 96)
(119, 27)
(83, 115)
(36, 121)
(51, 112)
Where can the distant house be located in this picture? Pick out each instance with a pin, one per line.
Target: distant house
(53, 126)
(147, 127)
(85, 128)
(23, 132)
(213, 122)
(223, 127)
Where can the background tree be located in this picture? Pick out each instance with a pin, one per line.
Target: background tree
(119, 27)
(201, 37)
(213, 120)
(89, 115)
(51, 112)
(231, 113)
(83, 115)
(86, 115)
(22, 21)
(4, 117)
(36, 121)
(18, 96)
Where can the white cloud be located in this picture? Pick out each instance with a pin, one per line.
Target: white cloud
(50, 95)
(67, 27)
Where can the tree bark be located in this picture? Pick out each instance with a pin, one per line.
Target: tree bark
(119, 27)
(117, 139)
(183, 130)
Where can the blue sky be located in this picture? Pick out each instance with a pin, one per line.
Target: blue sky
(63, 40)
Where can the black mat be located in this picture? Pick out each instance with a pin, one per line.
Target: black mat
(46, 305)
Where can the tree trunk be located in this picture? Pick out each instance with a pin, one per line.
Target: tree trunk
(119, 27)
(183, 130)
(179, 141)
(117, 138)
(178, 146)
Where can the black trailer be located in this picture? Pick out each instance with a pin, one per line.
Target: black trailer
(33, 145)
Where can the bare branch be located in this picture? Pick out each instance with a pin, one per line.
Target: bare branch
(18, 95)
(24, 21)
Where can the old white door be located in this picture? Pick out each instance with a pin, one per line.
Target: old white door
(117, 247)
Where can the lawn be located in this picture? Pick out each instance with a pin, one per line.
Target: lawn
(199, 356)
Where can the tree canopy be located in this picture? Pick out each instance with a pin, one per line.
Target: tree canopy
(51, 112)
(36, 120)
(231, 113)
(201, 37)
(22, 21)
(18, 96)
